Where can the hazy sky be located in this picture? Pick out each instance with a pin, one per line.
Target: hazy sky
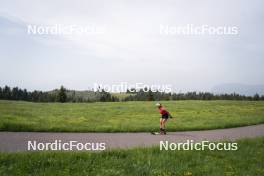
(131, 49)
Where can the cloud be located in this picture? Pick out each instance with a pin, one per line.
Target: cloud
(132, 48)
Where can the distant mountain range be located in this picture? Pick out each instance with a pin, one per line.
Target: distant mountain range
(242, 89)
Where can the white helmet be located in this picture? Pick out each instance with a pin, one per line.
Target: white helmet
(158, 104)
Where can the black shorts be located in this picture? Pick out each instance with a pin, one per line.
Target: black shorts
(165, 116)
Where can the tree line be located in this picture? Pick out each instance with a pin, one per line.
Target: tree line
(64, 95)
(58, 95)
(157, 96)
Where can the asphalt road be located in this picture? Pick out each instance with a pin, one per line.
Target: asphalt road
(18, 141)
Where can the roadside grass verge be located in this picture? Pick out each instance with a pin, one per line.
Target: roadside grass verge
(127, 116)
(247, 160)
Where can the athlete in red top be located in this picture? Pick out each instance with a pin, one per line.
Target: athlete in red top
(162, 110)
(164, 117)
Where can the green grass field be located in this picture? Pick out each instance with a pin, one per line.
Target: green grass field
(122, 96)
(127, 116)
(247, 160)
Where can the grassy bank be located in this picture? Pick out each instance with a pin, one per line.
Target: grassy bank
(127, 116)
(247, 160)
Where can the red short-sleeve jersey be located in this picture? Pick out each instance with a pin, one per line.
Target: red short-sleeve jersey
(163, 111)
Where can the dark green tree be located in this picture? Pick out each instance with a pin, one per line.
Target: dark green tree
(7, 93)
(1, 93)
(256, 97)
(62, 96)
(150, 95)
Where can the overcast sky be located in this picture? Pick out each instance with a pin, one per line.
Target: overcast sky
(131, 49)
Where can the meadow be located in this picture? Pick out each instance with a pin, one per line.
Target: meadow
(247, 160)
(134, 116)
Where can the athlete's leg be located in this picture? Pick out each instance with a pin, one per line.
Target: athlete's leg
(161, 121)
(163, 125)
